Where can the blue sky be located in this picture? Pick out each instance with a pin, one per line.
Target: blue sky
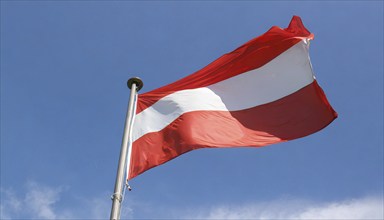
(64, 67)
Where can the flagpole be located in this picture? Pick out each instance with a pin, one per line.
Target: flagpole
(135, 84)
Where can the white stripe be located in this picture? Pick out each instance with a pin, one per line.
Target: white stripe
(282, 76)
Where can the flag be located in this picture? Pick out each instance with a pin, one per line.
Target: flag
(262, 93)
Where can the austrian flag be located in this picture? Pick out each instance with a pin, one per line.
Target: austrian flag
(262, 93)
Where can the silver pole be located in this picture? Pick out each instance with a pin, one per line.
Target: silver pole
(135, 84)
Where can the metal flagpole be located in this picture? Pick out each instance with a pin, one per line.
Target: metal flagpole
(135, 84)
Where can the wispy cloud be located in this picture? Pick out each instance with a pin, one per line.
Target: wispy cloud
(40, 200)
(366, 208)
(363, 208)
(43, 202)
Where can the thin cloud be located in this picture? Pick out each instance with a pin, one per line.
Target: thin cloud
(40, 200)
(44, 202)
(364, 208)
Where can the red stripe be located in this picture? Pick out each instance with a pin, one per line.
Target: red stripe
(249, 56)
(297, 115)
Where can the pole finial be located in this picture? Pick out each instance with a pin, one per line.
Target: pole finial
(139, 83)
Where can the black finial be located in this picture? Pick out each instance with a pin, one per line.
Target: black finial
(139, 83)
